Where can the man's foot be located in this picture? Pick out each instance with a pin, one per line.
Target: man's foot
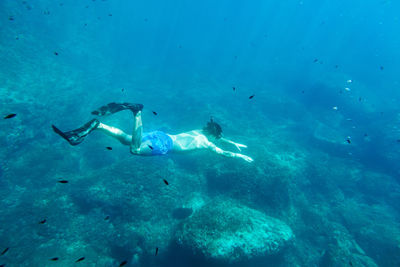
(76, 137)
(112, 108)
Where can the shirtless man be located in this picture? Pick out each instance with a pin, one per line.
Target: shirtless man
(156, 142)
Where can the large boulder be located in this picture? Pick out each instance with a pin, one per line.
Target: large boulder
(228, 231)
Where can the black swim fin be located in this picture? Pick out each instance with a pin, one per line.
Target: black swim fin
(75, 137)
(112, 108)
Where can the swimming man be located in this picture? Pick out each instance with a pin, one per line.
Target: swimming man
(156, 142)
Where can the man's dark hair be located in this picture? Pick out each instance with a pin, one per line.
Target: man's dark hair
(213, 128)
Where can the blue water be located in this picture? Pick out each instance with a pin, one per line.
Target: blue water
(322, 128)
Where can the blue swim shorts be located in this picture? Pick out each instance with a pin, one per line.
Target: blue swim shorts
(160, 142)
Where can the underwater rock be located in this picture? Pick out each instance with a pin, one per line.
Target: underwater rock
(227, 231)
(329, 134)
(344, 251)
(181, 213)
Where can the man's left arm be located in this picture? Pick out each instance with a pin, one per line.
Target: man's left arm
(237, 145)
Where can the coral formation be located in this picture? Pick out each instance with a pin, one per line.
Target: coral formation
(228, 231)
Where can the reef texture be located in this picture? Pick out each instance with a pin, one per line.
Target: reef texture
(228, 231)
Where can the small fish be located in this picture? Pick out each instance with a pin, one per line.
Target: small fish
(302, 92)
(4, 251)
(85, 24)
(43, 221)
(54, 259)
(347, 89)
(335, 108)
(9, 116)
(316, 60)
(2, 265)
(349, 81)
(80, 259)
(110, 15)
(55, 53)
(106, 218)
(359, 99)
(10, 18)
(166, 182)
(348, 141)
(109, 148)
(122, 89)
(63, 182)
(150, 147)
(398, 140)
(155, 113)
(123, 263)
(351, 264)
(336, 66)
(250, 97)
(365, 135)
(234, 89)
(156, 252)
(381, 68)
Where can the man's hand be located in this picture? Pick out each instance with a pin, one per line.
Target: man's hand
(246, 158)
(238, 146)
(229, 153)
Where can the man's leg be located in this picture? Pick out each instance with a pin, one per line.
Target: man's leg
(112, 108)
(76, 136)
(136, 140)
(116, 133)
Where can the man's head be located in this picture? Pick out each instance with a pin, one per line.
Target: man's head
(213, 129)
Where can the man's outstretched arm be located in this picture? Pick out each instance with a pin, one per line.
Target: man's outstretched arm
(237, 145)
(228, 154)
